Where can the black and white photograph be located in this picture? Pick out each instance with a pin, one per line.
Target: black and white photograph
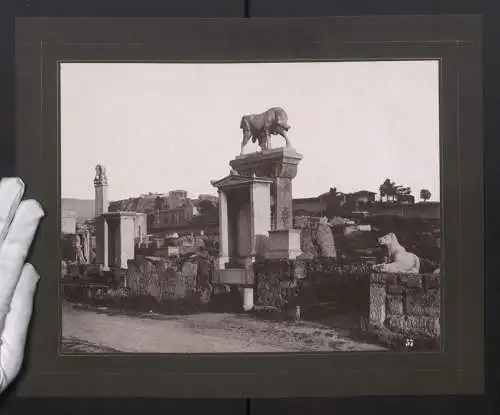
(250, 207)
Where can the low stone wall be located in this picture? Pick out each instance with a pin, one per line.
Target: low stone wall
(284, 284)
(148, 283)
(408, 304)
(161, 279)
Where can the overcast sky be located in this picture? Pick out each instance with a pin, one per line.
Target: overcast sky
(159, 127)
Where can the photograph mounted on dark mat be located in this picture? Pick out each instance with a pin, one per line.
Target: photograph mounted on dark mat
(224, 216)
(211, 263)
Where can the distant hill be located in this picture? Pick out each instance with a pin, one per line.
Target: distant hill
(83, 208)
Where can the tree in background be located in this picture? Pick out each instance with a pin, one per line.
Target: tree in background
(208, 212)
(387, 190)
(392, 191)
(403, 194)
(425, 195)
(402, 191)
(333, 203)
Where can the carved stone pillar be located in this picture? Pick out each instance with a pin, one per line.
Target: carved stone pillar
(223, 230)
(283, 203)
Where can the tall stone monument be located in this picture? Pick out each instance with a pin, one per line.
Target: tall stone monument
(115, 231)
(101, 190)
(255, 203)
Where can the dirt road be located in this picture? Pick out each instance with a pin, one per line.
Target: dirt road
(104, 331)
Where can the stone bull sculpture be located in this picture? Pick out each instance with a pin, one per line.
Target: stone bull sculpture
(259, 127)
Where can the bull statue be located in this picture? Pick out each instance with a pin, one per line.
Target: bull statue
(259, 127)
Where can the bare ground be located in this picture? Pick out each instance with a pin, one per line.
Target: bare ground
(73, 345)
(108, 331)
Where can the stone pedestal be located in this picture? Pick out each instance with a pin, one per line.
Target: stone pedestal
(283, 243)
(248, 299)
(279, 164)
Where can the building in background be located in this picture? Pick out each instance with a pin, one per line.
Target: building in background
(209, 198)
(68, 222)
(362, 196)
(172, 218)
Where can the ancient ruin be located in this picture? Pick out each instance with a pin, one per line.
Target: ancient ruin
(82, 245)
(116, 232)
(255, 204)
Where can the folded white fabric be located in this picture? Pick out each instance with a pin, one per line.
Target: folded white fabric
(19, 220)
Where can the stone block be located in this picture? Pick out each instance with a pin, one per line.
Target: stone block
(190, 269)
(275, 268)
(432, 281)
(395, 290)
(236, 276)
(284, 244)
(325, 240)
(378, 278)
(286, 284)
(175, 286)
(394, 305)
(411, 281)
(276, 162)
(421, 303)
(377, 304)
(432, 311)
(300, 269)
(391, 278)
(73, 270)
(414, 326)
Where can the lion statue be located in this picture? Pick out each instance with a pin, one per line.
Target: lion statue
(400, 260)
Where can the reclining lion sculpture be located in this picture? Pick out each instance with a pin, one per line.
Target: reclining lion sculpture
(401, 261)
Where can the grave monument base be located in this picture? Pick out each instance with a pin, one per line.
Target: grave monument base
(284, 244)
